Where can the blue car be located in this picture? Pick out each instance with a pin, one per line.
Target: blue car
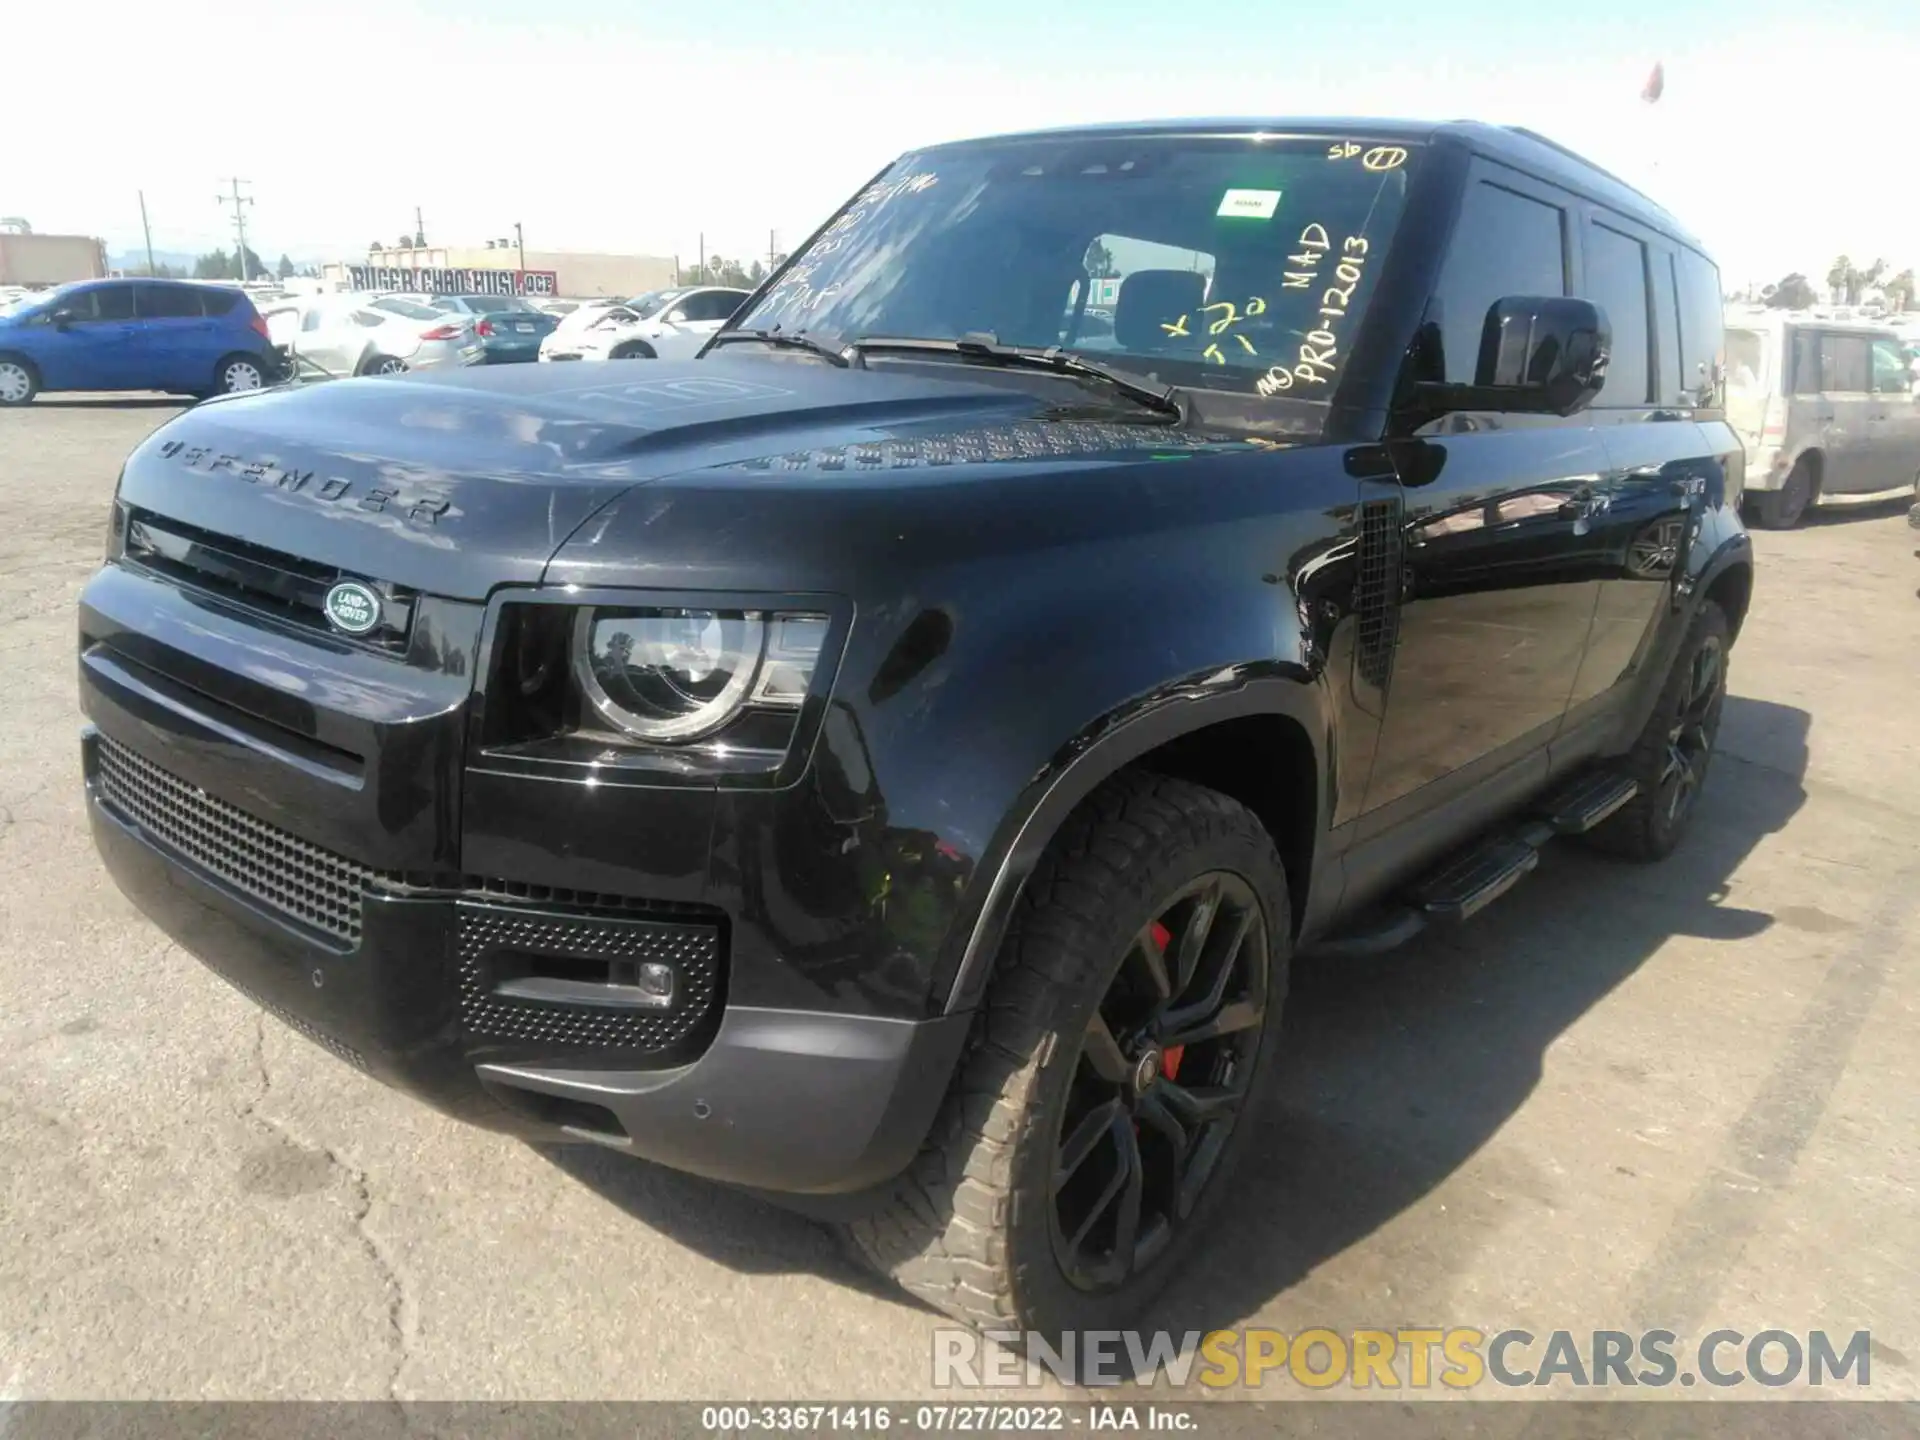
(168, 335)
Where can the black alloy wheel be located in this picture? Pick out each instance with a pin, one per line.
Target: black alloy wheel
(1162, 1074)
(1696, 722)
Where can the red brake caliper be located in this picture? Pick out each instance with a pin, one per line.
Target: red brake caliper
(1170, 1057)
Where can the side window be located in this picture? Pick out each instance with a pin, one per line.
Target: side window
(166, 302)
(115, 302)
(80, 306)
(1617, 283)
(1843, 364)
(370, 318)
(1806, 362)
(1701, 343)
(1669, 382)
(312, 320)
(217, 301)
(1505, 244)
(714, 305)
(1890, 373)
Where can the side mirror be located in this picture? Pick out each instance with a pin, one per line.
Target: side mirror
(1539, 355)
(61, 319)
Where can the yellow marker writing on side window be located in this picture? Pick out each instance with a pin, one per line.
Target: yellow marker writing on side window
(1178, 329)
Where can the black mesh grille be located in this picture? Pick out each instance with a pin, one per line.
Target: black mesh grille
(293, 876)
(494, 939)
(1376, 598)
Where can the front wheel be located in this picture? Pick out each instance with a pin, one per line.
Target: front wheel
(1671, 757)
(1784, 508)
(383, 365)
(1114, 1072)
(634, 350)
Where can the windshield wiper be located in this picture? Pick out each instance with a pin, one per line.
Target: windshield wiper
(794, 341)
(1161, 399)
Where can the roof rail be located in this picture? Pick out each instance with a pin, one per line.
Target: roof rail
(1555, 145)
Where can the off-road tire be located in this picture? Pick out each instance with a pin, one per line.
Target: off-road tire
(1786, 507)
(965, 1229)
(1643, 829)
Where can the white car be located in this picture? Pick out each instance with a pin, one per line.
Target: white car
(666, 325)
(340, 335)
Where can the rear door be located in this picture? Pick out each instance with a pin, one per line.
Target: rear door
(1893, 424)
(1838, 366)
(175, 337)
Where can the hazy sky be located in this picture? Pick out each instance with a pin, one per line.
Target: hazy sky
(1788, 132)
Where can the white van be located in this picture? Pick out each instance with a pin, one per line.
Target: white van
(1825, 408)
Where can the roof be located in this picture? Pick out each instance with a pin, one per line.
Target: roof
(1510, 144)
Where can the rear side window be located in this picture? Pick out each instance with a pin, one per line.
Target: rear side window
(219, 302)
(115, 302)
(1890, 373)
(1844, 365)
(1666, 322)
(1701, 346)
(1505, 244)
(1617, 283)
(166, 302)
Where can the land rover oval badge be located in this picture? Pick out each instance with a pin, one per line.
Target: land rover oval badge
(352, 607)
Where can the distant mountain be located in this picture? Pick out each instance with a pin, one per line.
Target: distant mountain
(183, 260)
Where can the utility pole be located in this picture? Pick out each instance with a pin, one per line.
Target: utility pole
(520, 240)
(773, 249)
(239, 203)
(147, 231)
(419, 230)
(703, 259)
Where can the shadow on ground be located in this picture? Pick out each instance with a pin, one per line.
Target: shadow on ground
(1849, 512)
(110, 402)
(1393, 1071)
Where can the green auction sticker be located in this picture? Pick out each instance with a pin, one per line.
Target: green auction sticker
(1250, 204)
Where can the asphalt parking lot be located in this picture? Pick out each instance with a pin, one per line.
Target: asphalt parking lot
(1684, 1096)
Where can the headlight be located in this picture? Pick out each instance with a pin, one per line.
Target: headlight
(677, 675)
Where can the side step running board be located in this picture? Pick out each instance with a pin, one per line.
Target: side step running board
(1472, 880)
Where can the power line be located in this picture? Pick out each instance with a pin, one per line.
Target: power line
(239, 203)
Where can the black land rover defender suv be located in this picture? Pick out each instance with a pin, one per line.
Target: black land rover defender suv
(891, 761)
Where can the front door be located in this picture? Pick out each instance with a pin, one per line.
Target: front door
(1498, 593)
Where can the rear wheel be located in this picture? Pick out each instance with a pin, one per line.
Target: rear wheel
(1784, 508)
(237, 373)
(633, 350)
(1670, 759)
(382, 365)
(1114, 1072)
(18, 381)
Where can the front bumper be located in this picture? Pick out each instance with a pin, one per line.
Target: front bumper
(785, 1101)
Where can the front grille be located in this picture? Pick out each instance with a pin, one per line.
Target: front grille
(283, 872)
(496, 942)
(268, 582)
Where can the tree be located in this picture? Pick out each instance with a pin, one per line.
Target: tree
(1791, 292)
(1099, 262)
(214, 265)
(1840, 276)
(756, 274)
(1899, 290)
(284, 270)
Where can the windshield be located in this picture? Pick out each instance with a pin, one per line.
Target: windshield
(408, 308)
(1746, 359)
(1232, 264)
(496, 304)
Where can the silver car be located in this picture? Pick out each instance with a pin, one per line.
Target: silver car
(342, 335)
(1825, 408)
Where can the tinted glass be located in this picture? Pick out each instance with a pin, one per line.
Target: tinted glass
(80, 304)
(1617, 283)
(1890, 372)
(1806, 362)
(220, 302)
(114, 302)
(1506, 244)
(1666, 324)
(495, 304)
(714, 305)
(166, 302)
(1701, 311)
(408, 308)
(993, 238)
(1843, 364)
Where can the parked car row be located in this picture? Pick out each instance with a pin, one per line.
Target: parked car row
(660, 325)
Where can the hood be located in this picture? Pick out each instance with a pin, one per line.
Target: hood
(454, 482)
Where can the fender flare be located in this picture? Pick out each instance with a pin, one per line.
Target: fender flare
(1094, 756)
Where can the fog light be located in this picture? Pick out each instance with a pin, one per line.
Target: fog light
(655, 983)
